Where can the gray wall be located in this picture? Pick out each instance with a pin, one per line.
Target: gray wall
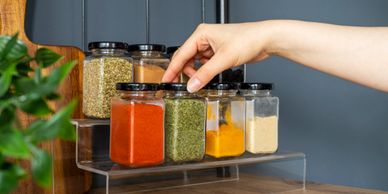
(341, 126)
(60, 22)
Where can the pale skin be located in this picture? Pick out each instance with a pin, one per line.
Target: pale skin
(358, 54)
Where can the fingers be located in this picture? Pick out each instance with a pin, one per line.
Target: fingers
(207, 53)
(218, 63)
(182, 56)
(204, 60)
(189, 71)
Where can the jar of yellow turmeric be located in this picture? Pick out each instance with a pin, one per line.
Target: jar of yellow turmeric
(225, 126)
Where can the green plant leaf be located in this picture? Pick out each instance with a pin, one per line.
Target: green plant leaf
(12, 144)
(48, 86)
(67, 132)
(8, 46)
(35, 126)
(21, 91)
(46, 57)
(9, 177)
(11, 49)
(25, 85)
(7, 117)
(24, 67)
(60, 73)
(53, 96)
(41, 167)
(58, 124)
(38, 75)
(29, 89)
(5, 82)
(37, 107)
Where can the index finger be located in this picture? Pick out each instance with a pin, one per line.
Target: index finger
(182, 56)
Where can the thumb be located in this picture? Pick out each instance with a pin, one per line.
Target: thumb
(217, 64)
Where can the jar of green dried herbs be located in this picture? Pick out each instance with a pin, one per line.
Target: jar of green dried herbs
(185, 120)
(108, 63)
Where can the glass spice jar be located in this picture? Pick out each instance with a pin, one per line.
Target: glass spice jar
(185, 119)
(137, 125)
(149, 62)
(107, 64)
(225, 125)
(262, 111)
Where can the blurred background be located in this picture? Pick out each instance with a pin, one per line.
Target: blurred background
(341, 127)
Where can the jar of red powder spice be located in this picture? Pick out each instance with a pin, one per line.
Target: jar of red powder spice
(137, 131)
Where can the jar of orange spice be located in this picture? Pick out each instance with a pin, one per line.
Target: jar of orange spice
(150, 63)
(225, 126)
(137, 131)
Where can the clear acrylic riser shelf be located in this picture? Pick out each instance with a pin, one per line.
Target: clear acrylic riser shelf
(286, 171)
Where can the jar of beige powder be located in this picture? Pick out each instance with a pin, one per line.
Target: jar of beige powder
(262, 111)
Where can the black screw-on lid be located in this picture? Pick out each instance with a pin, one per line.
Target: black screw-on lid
(147, 47)
(171, 50)
(256, 86)
(137, 86)
(174, 86)
(87, 53)
(107, 45)
(221, 86)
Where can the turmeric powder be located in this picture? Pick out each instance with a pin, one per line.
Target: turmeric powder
(227, 141)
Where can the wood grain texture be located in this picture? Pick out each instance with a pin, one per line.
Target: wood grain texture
(67, 177)
(252, 184)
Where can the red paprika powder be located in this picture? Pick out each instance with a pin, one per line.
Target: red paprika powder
(137, 133)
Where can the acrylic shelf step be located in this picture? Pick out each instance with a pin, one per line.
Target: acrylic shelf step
(92, 155)
(109, 168)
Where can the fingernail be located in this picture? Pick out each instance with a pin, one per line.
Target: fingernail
(164, 79)
(193, 85)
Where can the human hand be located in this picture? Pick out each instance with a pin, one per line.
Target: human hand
(218, 47)
(350, 52)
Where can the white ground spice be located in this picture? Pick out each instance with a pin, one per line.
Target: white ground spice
(262, 135)
(99, 85)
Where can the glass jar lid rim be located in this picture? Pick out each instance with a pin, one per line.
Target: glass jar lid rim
(107, 45)
(137, 86)
(174, 86)
(172, 49)
(147, 47)
(222, 86)
(256, 86)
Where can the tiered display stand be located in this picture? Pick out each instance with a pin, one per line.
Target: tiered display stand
(92, 154)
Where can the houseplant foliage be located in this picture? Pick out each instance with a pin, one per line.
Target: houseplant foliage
(25, 90)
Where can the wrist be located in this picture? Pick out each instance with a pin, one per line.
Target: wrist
(272, 34)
